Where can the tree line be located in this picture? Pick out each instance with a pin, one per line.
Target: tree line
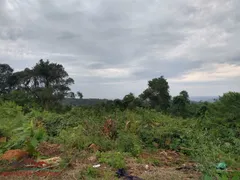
(46, 85)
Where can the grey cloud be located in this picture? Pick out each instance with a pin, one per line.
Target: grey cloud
(149, 38)
(156, 69)
(67, 35)
(235, 59)
(5, 19)
(97, 66)
(10, 34)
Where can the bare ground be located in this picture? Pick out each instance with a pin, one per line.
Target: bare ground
(160, 165)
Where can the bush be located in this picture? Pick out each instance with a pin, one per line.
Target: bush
(113, 159)
(28, 136)
(92, 172)
(11, 117)
(127, 142)
(74, 138)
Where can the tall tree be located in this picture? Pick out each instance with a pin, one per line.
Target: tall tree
(71, 95)
(180, 104)
(80, 95)
(5, 76)
(157, 94)
(226, 108)
(47, 83)
(185, 95)
(118, 104)
(128, 100)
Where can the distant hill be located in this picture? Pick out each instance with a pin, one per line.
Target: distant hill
(94, 101)
(203, 98)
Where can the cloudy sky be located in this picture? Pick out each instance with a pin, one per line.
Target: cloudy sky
(113, 47)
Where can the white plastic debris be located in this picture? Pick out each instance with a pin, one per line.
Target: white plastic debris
(96, 166)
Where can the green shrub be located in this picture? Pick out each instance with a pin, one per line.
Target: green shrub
(113, 159)
(103, 142)
(28, 136)
(92, 172)
(127, 142)
(73, 138)
(11, 117)
(147, 136)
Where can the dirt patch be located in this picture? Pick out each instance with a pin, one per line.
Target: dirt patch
(164, 157)
(16, 154)
(147, 166)
(145, 169)
(48, 149)
(163, 165)
(168, 173)
(153, 172)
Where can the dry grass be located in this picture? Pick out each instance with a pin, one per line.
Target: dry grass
(141, 167)
(168, 173)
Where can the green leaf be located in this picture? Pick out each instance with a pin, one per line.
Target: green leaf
(18, 129)
(34, 142)
(224, 177)
(236, 177)
(206, 177)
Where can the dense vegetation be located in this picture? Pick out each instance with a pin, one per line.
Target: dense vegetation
(32, 111)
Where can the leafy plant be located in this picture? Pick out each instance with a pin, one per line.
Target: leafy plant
(113, 159)
(74, 138)
(92, 172)
(28, 136)
(127, 142)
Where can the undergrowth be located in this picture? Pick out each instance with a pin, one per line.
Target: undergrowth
(206, 140)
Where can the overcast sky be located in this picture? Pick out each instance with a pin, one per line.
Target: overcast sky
(113, 47)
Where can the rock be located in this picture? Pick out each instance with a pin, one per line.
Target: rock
(16, 154)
